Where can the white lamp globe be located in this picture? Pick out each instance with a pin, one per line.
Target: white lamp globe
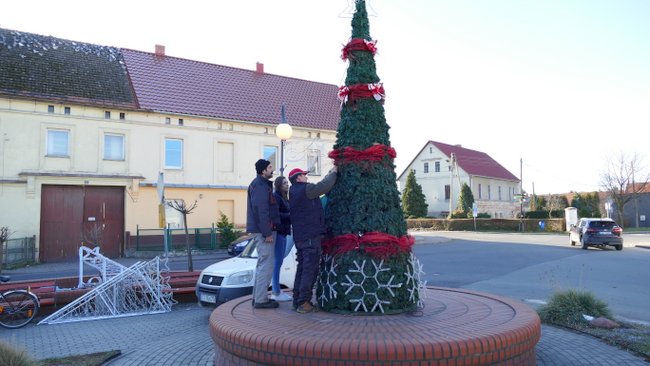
(283, 131)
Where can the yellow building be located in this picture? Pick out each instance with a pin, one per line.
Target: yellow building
(85, 131)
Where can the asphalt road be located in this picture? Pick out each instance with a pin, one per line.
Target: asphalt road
(531, 268)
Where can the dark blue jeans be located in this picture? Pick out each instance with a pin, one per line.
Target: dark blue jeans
(309, 253)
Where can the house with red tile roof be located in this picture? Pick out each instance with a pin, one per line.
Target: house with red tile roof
(441, 169)
(86, 129)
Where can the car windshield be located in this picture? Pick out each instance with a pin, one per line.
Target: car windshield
(602, 225)
(250, 251)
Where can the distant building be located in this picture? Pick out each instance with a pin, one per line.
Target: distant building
(441, 169)
(85, 129)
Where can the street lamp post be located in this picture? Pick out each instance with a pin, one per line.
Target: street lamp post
(283, 132)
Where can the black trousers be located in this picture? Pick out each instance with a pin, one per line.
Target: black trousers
(309, 253)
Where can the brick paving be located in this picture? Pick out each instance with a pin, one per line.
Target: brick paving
(182, 337)
(455, 327)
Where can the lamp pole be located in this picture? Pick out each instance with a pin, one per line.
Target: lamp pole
(283, 132)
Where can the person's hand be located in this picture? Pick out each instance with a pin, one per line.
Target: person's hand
(268, 239)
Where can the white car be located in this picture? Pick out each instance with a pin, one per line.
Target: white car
(234, 277)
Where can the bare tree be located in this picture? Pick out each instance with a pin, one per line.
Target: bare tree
(184, 209)
(624, 180)
(555, 202)
(5, 233)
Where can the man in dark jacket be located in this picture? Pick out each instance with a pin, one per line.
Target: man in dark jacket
(308, 223)
(261, 218)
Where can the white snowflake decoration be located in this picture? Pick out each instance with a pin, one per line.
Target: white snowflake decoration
(416, 290)
(364, 276)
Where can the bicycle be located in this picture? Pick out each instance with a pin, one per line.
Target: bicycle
(17, 307)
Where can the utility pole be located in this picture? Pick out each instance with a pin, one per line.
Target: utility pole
(451, 183)
(521, 191)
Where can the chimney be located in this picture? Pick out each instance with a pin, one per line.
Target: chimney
(260, 68)
(160, 50)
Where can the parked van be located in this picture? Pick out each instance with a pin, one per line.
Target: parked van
(234, 277)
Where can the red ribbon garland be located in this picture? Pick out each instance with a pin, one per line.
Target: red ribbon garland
(353, 92)
(358, 44)
(377, 244)
(373, 153)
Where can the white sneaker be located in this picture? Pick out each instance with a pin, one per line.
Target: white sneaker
(281, 297)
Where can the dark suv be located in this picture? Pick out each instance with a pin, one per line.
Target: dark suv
(596, 232)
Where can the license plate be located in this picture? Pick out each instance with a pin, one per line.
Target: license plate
(208, 298)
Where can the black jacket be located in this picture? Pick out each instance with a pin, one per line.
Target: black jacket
(263, 213)
(285, 218)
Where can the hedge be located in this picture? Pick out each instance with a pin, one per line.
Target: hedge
(530, 225)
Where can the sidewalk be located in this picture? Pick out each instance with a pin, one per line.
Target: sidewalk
(181, 337)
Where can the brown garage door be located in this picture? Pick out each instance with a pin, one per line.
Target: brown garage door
(71, 215)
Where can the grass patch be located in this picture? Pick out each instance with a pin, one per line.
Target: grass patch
(566, 308)
(12, 356)
(92, 359)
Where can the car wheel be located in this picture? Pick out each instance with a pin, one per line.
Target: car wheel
(619, 247)
(584, 243)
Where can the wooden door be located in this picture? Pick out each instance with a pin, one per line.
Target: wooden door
(103, 219)
(72, 216)
(61, 223)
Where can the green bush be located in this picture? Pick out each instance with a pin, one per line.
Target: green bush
(557, 214)
(13, 357)
(484, 224)
(226, 230)
(567, 307)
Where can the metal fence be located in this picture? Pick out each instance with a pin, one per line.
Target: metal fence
(19, 251)
(153, 240)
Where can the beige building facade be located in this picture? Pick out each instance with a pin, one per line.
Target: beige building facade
(91, 159)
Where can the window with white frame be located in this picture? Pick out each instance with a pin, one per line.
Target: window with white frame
(489, 193)
(480, 192)
(113, 147)
(271, 154)
(499, 193)
(437, 166)
(313, 162)
(426, 167)
(58, 143)
(173, 153)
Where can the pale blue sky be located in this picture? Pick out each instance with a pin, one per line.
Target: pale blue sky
(553, 82)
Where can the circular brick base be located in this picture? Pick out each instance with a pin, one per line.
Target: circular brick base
(455, 327)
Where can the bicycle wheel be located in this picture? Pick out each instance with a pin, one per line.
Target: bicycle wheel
(17, 308)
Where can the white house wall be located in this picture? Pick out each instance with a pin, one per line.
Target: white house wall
(433, 186)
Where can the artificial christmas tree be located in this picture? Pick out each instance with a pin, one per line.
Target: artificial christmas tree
(367, 262)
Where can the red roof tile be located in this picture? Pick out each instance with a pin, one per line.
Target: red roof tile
(475, 162)
(175, 85)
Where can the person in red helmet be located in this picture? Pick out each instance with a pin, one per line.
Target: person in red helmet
(308, 222)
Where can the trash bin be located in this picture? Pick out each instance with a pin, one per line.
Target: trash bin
(542, 225)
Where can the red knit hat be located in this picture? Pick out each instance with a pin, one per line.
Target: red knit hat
(294, 173)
